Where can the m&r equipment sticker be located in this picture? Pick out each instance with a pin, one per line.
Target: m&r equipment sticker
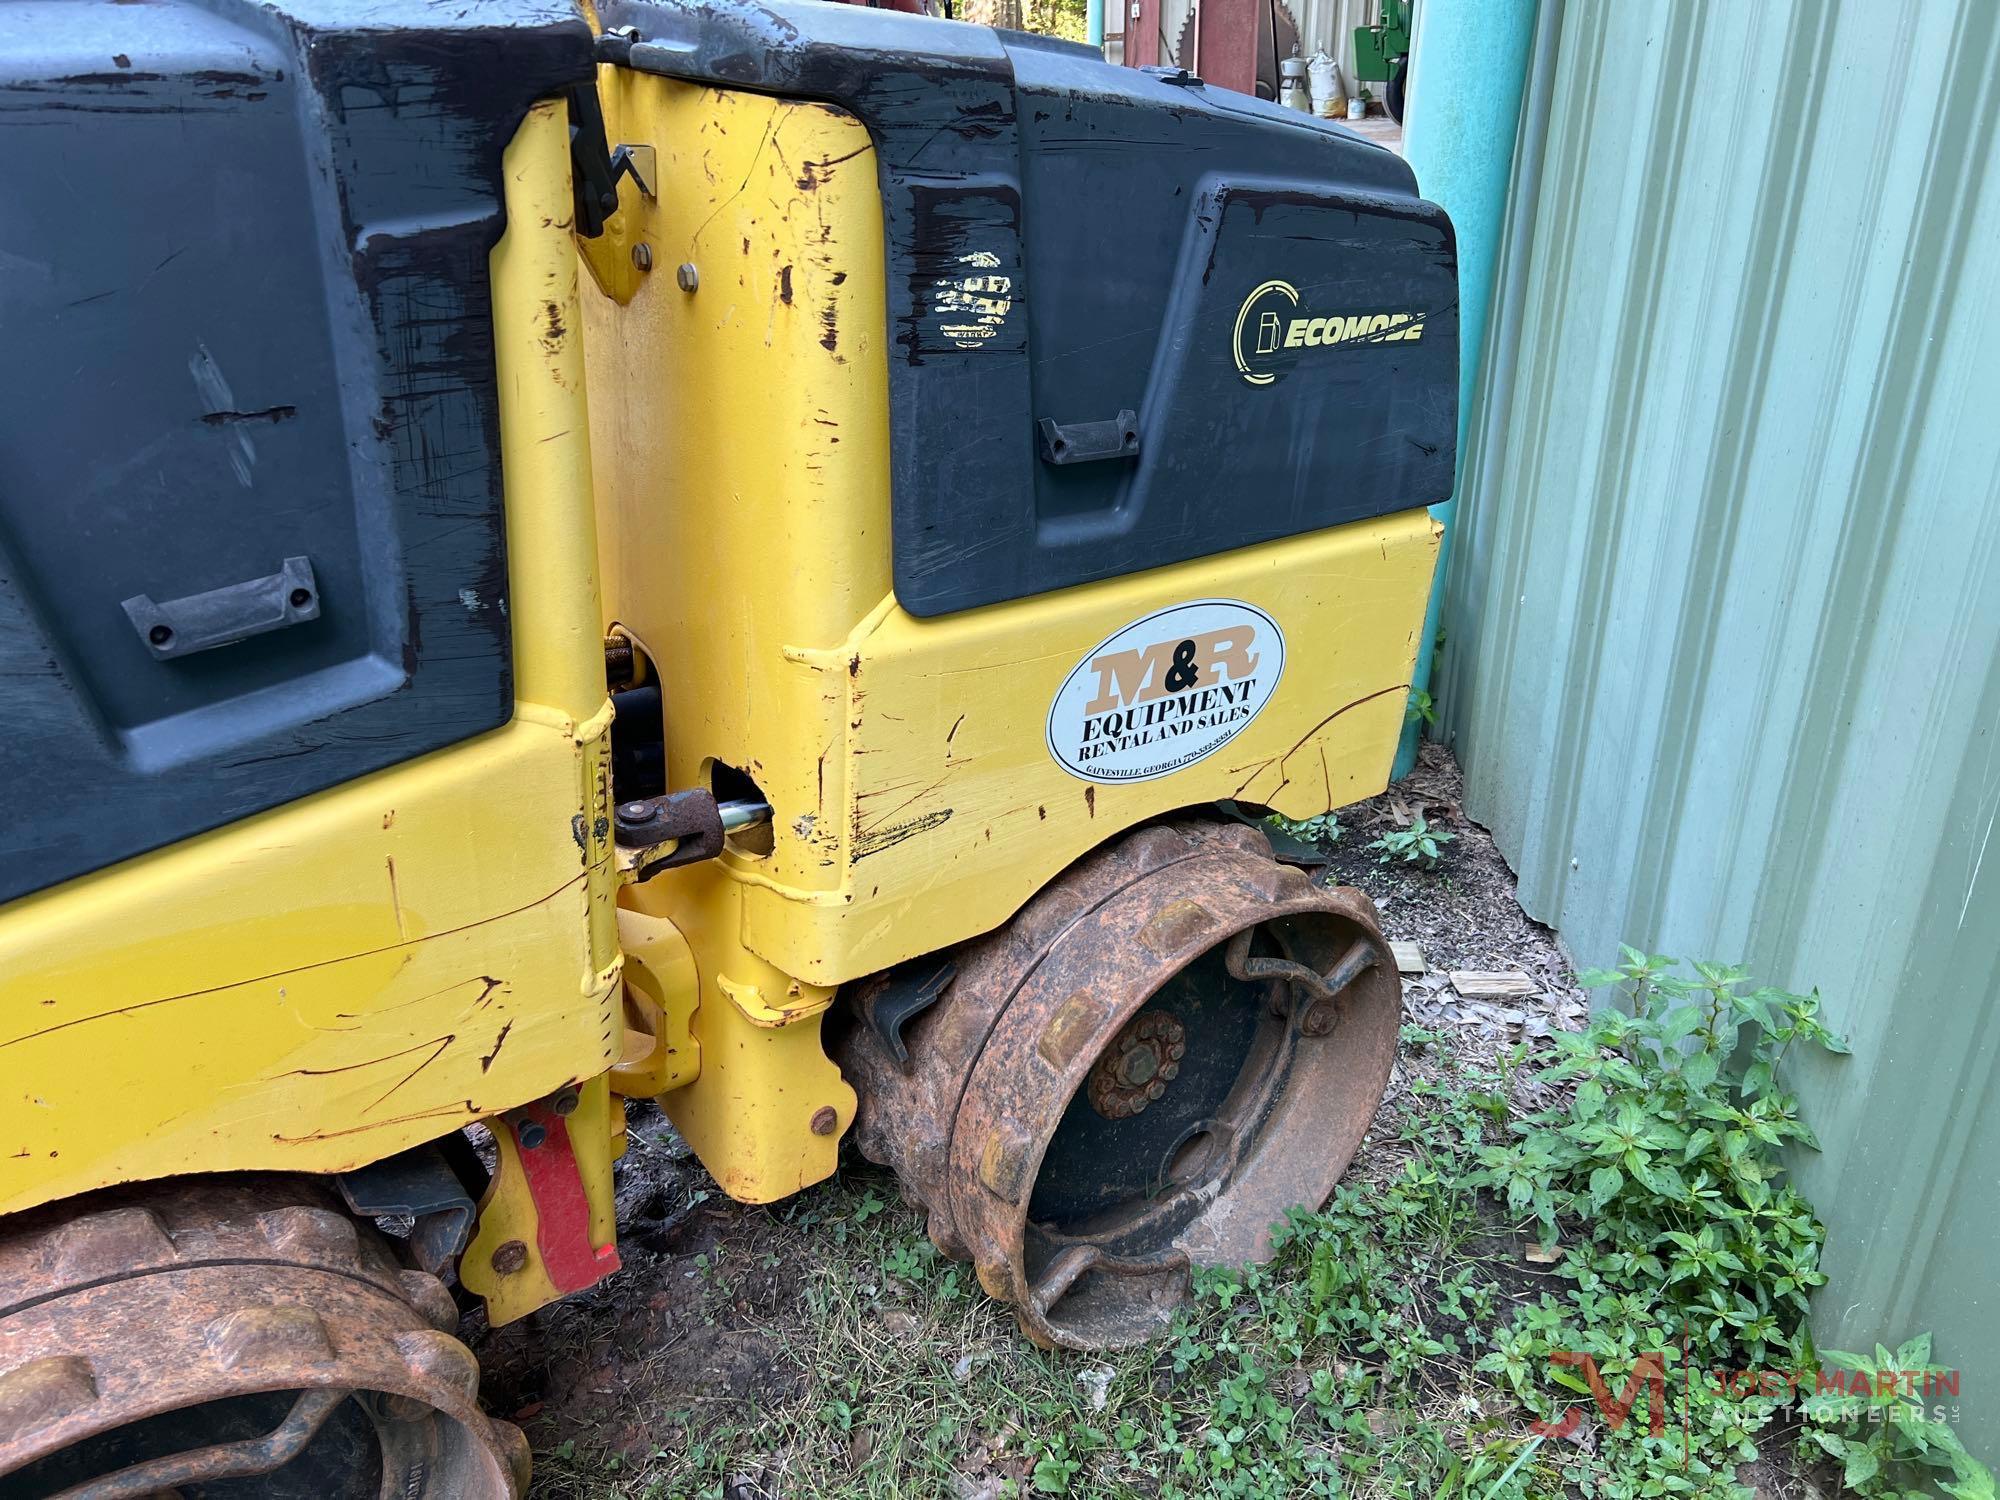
(1166, 691)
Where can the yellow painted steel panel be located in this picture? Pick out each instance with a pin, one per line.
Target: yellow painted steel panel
(369, 968)
(941, 807)
(738, 395)
(741, 433)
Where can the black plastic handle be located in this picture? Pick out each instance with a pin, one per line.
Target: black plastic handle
(220, 617)
(1087, 442)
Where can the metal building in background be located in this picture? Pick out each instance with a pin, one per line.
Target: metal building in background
(1723, 634)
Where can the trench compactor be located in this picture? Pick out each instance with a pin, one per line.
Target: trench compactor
(768, 556)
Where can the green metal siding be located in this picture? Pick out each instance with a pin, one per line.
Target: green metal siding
(1723, 634)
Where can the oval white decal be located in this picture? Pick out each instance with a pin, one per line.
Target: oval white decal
(1166, 691)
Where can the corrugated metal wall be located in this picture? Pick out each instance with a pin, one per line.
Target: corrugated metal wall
(1723, 638)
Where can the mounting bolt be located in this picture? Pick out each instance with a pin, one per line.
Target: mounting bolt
(510, 1259)
(565, 1103)
(688, 277)
(1319, 1019)
(635, 818)
(824, 1120)
(642, 256)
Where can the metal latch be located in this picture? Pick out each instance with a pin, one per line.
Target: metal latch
(681, 828)
(595, 168)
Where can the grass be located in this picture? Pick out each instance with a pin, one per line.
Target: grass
(911, 1383)
(1399, 1344)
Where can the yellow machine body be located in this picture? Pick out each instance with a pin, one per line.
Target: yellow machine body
(368, 968)
(784, 747)
(697, 457)
(740, 441)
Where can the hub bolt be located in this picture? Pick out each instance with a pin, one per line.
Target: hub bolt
(1136, 1068)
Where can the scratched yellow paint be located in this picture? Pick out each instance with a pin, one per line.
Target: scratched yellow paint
(741, 440)
(780, 353)
(371, 967)
(741, 431)
(948, 811)
(334, 981)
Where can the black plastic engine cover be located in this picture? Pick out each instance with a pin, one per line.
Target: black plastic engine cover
(251, 521)
(1133, 320)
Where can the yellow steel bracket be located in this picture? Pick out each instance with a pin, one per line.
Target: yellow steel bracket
(767, 1113)
(621, 257)
(783, 292)
(547, 1222)
(774, 999)
(765, 1109)
(661, 989)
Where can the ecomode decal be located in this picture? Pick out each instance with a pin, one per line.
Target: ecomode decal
(1166, 691)
(1274, 329)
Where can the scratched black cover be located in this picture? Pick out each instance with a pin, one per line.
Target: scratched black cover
(243, 262)
(1130, 218)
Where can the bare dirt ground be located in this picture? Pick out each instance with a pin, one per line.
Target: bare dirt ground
(1464, 914)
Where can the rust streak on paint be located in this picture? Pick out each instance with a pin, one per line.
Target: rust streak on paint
(878, 839)
(479, 1002)
(372, 1062)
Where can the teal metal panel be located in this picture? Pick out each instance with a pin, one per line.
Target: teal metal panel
(1468, 70)
(1723, 636)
